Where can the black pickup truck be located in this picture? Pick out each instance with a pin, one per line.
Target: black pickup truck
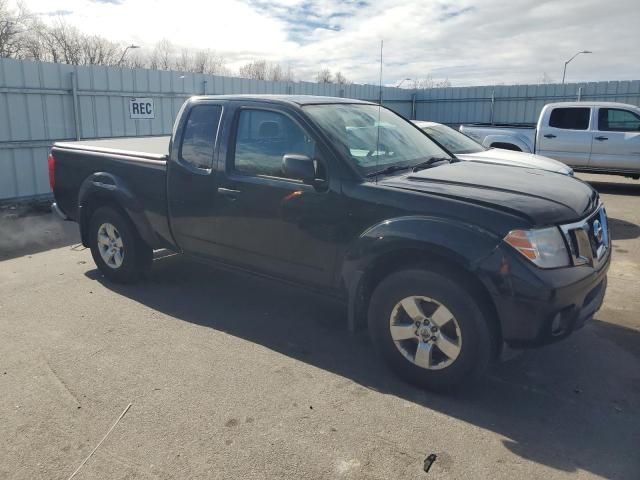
(445, 261)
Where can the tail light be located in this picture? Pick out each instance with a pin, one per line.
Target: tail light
(51, 161)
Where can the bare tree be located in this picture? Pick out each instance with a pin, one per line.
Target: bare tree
(201, 61)
(256, 70)
(99, 51)
(429, 82)
(23, 35)
(184, 62)
(275, 73)
(288, 75)
(217, 64)
(34, 45)
(264, 70)
(340, 79)
(162, 55)
(135, 59)
(324, 76)
(65, 43)
(206, 61)
(14, 27)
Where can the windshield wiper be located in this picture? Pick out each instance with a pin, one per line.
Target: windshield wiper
(429, 163)
(389, 169)
(418, 166)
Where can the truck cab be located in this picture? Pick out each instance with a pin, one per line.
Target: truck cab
(589, 136)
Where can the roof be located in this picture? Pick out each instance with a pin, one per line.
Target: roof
(289, 99)
(592, 104)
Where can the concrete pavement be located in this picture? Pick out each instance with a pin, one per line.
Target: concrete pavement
(235, 377)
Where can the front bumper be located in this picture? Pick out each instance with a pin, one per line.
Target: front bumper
(537, 306)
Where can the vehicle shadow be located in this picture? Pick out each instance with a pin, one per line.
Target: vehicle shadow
(622, 229)
(26, 233)
(570, 406)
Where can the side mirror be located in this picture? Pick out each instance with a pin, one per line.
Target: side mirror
(299, 167)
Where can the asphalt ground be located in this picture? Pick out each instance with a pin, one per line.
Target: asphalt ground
(230, 376)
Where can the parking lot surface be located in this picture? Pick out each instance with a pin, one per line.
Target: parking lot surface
(230, 376)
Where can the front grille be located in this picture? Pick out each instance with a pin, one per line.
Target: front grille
(588, 239)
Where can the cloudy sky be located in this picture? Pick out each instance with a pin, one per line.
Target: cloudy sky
(469, 42)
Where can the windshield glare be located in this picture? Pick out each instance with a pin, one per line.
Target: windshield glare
(454, 141)
(373, 142)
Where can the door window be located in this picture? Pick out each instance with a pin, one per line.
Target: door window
(570, 118)
(199, 136)
(263, 138)
(616, 120)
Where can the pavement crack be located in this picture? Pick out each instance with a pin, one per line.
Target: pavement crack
(61, 382)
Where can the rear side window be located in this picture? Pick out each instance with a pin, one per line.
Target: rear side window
(570, 118)
(616, 120)
(263, 138)
(199, 136)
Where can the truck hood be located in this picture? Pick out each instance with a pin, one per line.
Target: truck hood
(538, 196)
(518, 159)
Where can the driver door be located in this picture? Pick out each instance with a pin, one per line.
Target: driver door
(266, 220)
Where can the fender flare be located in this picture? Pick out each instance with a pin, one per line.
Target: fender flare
(462, 244)
(510, 139)
(111, 188)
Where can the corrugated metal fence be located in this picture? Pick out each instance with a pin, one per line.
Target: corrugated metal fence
(44, 102)
(515, 103)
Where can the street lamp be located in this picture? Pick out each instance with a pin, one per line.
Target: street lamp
(564, 73)
(402, 81)
(125, 52)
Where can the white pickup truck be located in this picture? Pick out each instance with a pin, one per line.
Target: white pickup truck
(599, 137)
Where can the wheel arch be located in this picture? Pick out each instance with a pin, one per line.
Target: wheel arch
(506, 146)
(506, 142)
(435, 245)
(102, 189)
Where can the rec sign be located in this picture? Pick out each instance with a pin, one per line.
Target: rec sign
(141, 108)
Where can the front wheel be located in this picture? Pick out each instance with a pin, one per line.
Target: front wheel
(429, 329)
(116, 248)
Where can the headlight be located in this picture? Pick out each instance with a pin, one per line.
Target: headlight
(544, 247)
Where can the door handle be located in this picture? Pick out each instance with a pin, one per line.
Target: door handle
(229, 193)
(602, 139)
(549, 135)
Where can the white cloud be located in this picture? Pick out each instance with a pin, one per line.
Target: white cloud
(469, 42)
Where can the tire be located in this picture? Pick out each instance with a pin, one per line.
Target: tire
(111, 230)
(407, 295)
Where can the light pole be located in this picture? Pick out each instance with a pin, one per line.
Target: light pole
(402, 81)
(564, 73)
(125, 52)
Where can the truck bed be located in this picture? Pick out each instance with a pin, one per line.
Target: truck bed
(138, 165)
(153, 148)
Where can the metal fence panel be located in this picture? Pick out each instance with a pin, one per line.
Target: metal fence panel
(514, 103)
(37, 106)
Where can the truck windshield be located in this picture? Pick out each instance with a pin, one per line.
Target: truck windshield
(454, 141)
(371, 141)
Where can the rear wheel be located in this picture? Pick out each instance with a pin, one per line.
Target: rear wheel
(116, 247)
(429, 329)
